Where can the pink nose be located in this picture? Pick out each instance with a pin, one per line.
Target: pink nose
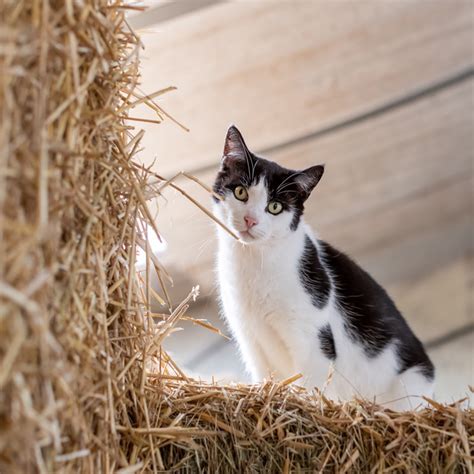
(250, 221)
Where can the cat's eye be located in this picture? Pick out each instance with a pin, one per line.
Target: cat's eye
(241, 193)
(275, 207)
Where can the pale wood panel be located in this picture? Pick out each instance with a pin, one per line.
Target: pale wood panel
(396, 193)
(438, 302)
(159, 11)
(281, 70)
(454, 365)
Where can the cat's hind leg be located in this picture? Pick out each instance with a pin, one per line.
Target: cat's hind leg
(407, 390)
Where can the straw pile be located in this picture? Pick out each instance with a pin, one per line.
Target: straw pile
(282, 428)
(73, 341)
(84, 383)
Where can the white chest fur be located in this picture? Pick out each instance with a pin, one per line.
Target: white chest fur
(268, 310)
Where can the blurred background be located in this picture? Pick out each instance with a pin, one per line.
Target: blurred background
(382, 92)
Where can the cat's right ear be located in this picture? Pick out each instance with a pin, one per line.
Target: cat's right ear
(309, 178)
(234, 146)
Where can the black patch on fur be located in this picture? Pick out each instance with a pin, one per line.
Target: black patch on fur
(297, 213)
(412, 354)
(371, 317)
(242, 168)
(326, 342)
(313, 276)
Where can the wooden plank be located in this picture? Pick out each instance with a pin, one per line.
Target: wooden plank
(438, 302)
(283, 70)
(454, 364)
(165, 11)
(386, 159)
(401, 177)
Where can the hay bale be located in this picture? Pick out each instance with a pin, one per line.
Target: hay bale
(84, 383)
(281, 428)
(71, 213)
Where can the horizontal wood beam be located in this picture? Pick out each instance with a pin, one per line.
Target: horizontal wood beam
(166, 11)
(288, 70)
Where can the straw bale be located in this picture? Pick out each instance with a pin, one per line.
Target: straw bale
(73, 340)
(278, 427)
(84, 383)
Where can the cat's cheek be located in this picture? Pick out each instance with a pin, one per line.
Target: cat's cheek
(235, 213)
(281, 224)
(221, 211)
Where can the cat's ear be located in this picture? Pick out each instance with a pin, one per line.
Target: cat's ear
(234, 146)
(309, 178)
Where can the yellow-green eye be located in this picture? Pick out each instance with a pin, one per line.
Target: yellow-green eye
(241, 193)
(275, 207)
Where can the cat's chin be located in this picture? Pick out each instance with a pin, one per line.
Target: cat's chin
(246, 237)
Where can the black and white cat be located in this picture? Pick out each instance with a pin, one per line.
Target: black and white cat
(294, 303)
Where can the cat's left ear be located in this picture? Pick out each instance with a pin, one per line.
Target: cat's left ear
(309, 178)
(234, 145)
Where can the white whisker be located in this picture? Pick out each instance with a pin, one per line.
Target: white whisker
(296, 173)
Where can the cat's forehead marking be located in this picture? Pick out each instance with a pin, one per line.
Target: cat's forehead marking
(258, 192)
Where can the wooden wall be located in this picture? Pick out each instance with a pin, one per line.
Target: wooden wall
(382, 92)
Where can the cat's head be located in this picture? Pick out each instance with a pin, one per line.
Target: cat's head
(261, 199)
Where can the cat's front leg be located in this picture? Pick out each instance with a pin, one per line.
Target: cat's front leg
(250, 349)
(318, 371)
(253, 357)
(320, 375)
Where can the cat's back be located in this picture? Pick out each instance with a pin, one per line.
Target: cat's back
(370, 317)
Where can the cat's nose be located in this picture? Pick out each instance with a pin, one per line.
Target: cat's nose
(250, 221)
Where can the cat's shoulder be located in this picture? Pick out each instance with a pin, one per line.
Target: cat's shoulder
(370, 314)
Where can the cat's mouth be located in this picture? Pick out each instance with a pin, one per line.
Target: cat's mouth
(246, 236)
